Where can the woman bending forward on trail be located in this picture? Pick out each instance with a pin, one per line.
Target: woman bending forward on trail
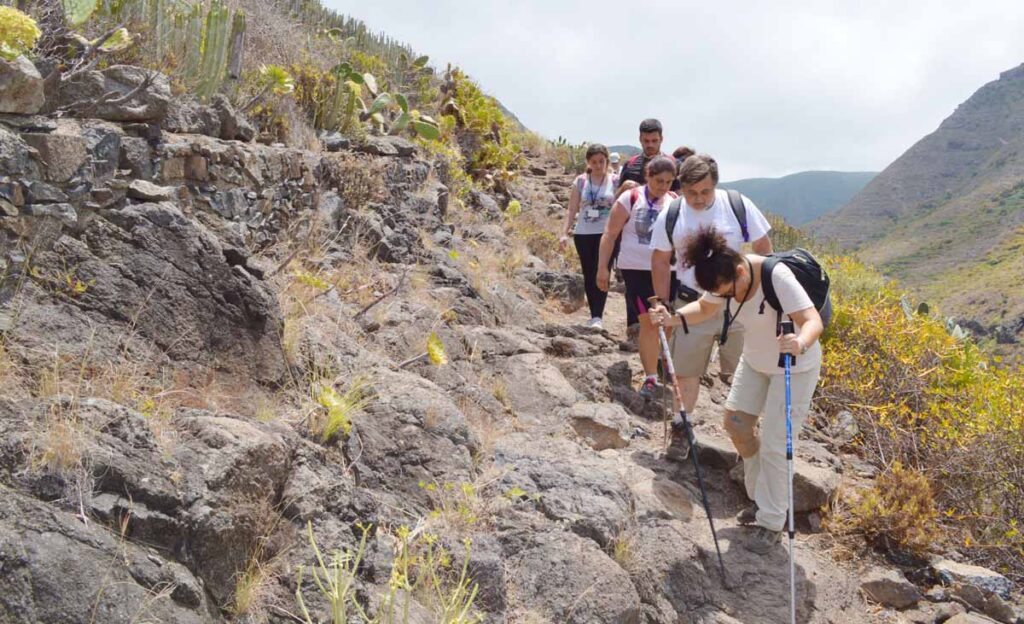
(758, 388)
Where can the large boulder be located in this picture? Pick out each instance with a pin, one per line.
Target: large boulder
(571, 484)
(21, 87)
(951, 572)
(233, 124)
(185, 115)
(105, 94)
(564, 578)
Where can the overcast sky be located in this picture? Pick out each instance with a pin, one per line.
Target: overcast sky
(768, 88)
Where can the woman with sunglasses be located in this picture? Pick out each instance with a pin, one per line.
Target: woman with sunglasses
(590, 203)
(633, 218)
(758, 387)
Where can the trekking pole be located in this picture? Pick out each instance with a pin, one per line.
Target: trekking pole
(670, 368)
(787, 328)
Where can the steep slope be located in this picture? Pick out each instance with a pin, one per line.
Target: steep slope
(805, 196)
(945, 217)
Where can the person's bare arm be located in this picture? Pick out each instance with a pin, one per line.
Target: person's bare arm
(696, 312)
(762, 246)
(570, 214)
(810, 330)
(616, 221)
(661, 273)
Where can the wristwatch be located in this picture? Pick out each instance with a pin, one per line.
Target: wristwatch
(803, 347)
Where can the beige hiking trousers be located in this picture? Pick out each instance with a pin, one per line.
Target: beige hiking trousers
(765, 475)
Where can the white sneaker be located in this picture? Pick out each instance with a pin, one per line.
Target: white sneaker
(596, 323)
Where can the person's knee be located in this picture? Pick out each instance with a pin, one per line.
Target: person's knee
(740, 428)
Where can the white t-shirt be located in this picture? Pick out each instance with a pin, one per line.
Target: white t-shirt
(720, 215)
(635, 249)
(760, 344)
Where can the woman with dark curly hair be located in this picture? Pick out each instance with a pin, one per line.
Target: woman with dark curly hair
(758, 388)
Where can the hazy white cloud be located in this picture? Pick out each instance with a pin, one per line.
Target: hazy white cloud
(767, 87)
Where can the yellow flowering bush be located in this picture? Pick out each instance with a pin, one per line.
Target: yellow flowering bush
(18, 33)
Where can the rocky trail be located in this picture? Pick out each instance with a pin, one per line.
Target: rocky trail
(172, 302)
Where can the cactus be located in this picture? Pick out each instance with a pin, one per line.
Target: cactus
(215, 42)
(78, 11)
(237, 45)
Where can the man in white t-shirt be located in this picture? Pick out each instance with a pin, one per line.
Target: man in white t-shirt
(702, 203)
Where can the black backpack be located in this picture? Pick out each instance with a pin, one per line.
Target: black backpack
(808, 272)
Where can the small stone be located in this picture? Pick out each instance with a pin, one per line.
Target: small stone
(947, 610)
(334, 142)
(147, 191)
(814, 520)
(890, 588)
(602, 425)
(65, 213)
(43, 193)
(969, 618)
(196, 168)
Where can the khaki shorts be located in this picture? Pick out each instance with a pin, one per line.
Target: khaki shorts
(691, 352)
(758, 394)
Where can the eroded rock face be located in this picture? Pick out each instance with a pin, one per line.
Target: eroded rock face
(149, 265)
(55, 568)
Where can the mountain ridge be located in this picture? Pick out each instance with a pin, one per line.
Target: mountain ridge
(803, 196)
(945, 216)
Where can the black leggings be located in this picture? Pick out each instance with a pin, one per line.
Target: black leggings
(588, 247)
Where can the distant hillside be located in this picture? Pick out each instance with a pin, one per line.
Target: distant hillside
(947, 217)
(804, 196)
(624, 150)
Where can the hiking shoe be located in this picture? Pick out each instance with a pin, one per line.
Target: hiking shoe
(763, 540)
(679, 443)
(747, 515)
(649, 388)
(596, 323)
(633, 332)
